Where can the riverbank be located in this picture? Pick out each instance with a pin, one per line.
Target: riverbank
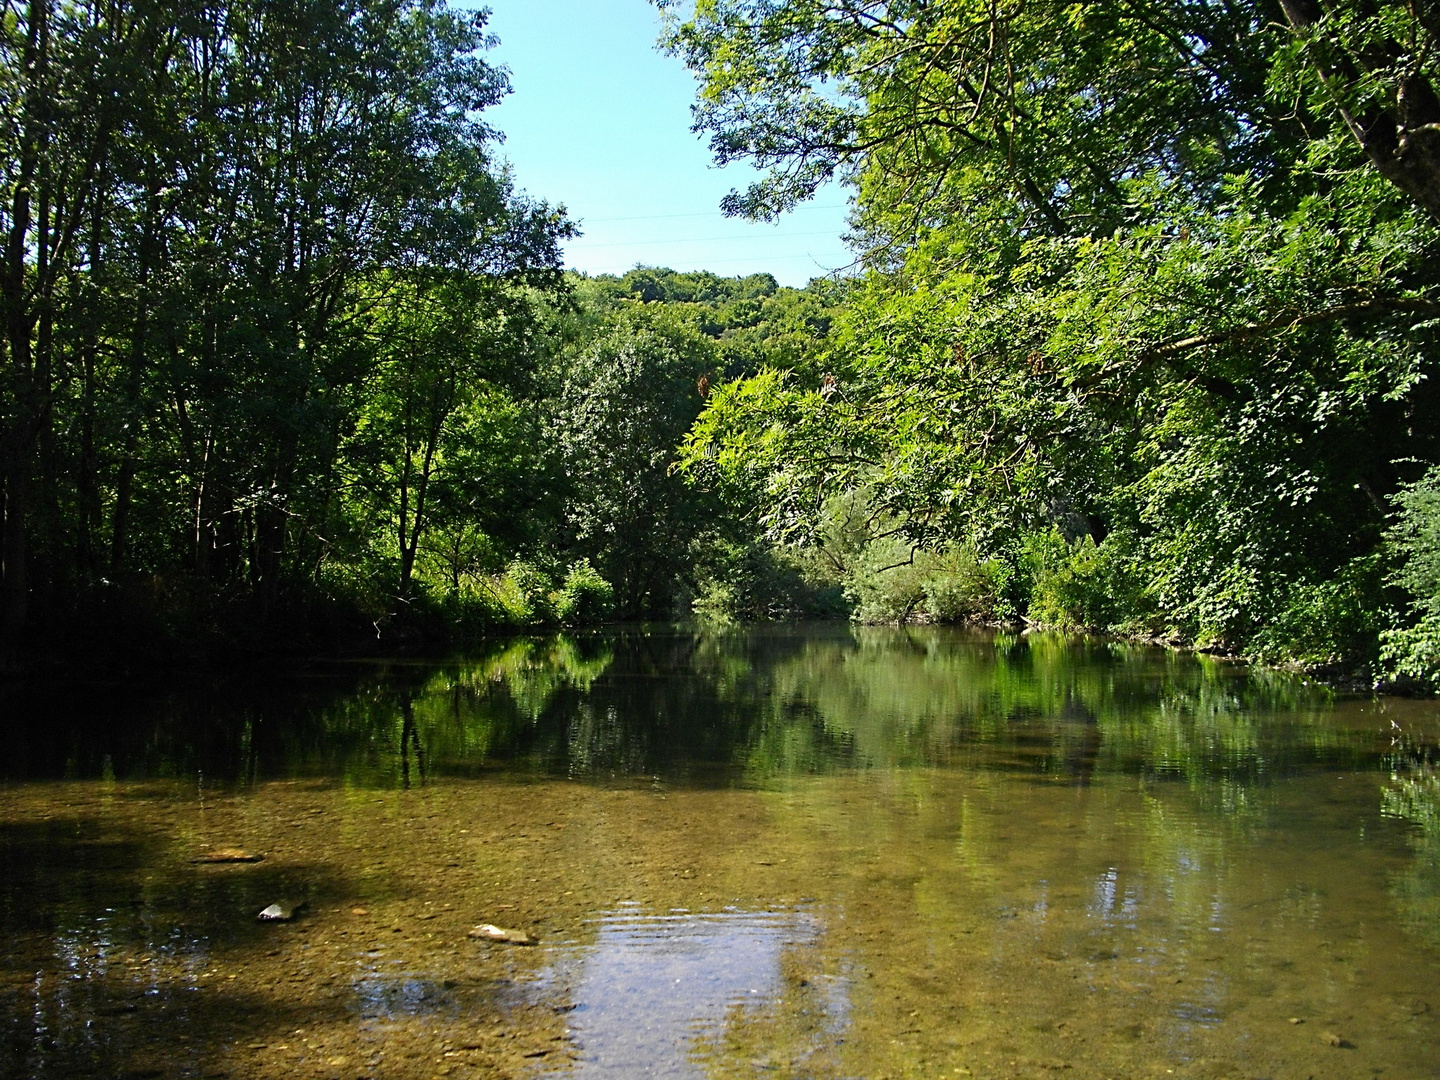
(174, 622)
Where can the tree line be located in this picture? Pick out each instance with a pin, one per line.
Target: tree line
(1141, 338)
(286, 355)
(289, 358)
(225, 223)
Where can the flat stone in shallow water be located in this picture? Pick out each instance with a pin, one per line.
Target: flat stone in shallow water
(227, 855)
(282, 911)
(489, 932)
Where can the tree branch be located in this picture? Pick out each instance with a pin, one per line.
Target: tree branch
(1363, 309)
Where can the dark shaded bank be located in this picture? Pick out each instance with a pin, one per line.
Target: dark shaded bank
(161, 626)
(156, 628)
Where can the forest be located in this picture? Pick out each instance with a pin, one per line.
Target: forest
(1141, 337)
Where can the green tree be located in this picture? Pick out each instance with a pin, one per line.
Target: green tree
(453, 357)
(629, 396)
(1121, 288)
(1413, 649)
(200, 199)
(69, 75)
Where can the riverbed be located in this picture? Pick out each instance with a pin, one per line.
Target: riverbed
(815, 851)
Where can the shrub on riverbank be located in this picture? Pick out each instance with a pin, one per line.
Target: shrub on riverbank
(890, 582)
(1411, 649)
(585, 596)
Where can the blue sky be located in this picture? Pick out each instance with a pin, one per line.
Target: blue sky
(600, 121)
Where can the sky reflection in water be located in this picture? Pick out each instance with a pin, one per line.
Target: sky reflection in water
(654, 991)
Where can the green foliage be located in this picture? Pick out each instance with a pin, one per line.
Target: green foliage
(266, 308)
(1072, 584)
(525, 591)
(1328, 623)
(441, 436)
(886, 584)
(892, 582)
(585, 596)
(1166, 309)
(754, 321)
(751, 580)
(1415, 539)
(521, 597)
(962, 587)
(926, 103)
(629, 395)
(1413, 651)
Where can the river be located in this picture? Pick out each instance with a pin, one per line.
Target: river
(815, 851)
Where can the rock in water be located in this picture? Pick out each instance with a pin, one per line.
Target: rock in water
(225, 855)
(487, 932)
(281, 911)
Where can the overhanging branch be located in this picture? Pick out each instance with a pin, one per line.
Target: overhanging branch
(1360, 310)
(1173, 354)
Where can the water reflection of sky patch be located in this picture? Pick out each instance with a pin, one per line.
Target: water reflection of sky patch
(653, 987)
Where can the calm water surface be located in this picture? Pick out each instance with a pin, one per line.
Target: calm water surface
(782, 852)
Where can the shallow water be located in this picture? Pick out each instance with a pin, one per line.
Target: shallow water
(803, 852)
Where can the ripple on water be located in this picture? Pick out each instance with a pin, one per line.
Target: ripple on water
(655, 991)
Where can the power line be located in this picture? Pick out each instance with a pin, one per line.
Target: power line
(710, 213)
(846, 259)
(582, 246)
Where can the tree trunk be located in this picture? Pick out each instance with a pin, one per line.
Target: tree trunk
(15, 597)
(1403, 141)
(139, 343)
